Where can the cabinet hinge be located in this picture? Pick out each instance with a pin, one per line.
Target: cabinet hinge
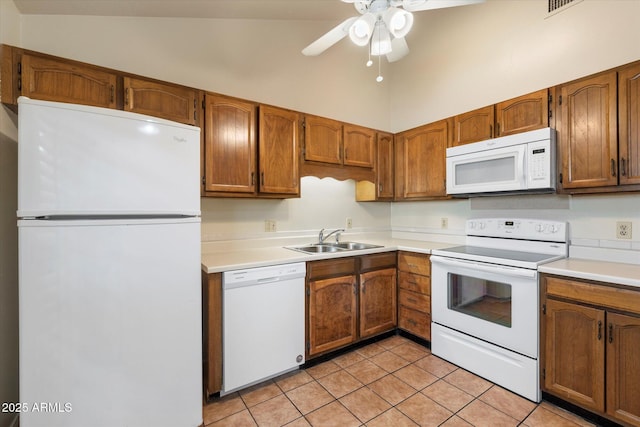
(544, 308)
(560, 177)
(195, 109)
(304, 124)
(203, 104)
(308, 292)
(308, 346)
(560, 100)
(203, 182)
(544, 373)
(550, 113)
(549, 98)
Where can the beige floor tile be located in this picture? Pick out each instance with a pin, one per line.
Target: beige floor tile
(410, 351)
(332, 415)
(566, 414)
(300, 422)
(309, 397)
(364, 404)
(348, 359)
(366, 371)
(240, 419)
(415, 377)
(468, 382)
(448, 395)
(394, 341)
(323, 369)
(391, 418)
(543, 417)
(389, 361)
(479, 414)
(511, 404)
(371, 350)
(423, 410)
(275, 412)
(340, 383)
(259, 393)
(222, 408)
(435, 366)
(292, 380)
(455, 421)
(392, 389)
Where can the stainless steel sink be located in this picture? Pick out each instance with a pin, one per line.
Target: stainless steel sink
(316, 248)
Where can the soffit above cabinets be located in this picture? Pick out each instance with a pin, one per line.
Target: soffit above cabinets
(313, 10)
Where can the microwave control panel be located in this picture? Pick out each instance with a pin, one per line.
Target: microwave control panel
(540, 162)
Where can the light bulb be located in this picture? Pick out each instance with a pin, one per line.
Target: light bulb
(369, 63)
(379, 79)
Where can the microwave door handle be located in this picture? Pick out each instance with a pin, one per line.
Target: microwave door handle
(490, 268)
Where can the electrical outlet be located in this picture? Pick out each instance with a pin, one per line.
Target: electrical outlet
(623, 229)
(444, 222)
(270, 225)
(349, 223)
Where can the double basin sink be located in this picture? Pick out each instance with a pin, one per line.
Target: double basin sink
(316, 248)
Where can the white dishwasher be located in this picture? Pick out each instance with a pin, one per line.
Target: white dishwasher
(263, 323)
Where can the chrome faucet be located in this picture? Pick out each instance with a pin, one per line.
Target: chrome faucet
(322, 237)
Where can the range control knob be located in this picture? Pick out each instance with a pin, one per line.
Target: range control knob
(540, 228)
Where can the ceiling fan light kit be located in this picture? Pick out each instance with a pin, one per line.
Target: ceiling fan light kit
(382, 26)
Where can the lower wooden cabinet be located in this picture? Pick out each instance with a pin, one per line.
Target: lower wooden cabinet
(414, 295)
(212, 333)
(591, 346)
(349, 299)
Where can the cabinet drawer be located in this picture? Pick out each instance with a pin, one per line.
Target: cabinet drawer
(592, 293)
(415, 301)
(331, 267)
(376, 261)
(414, 282)
(416, 322)
(414, 263)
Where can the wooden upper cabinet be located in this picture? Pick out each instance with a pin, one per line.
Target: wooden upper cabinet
(574, 353)
(384, 167)
(587, 131)
(278, 149)
(629, 123)
(171, 102)
(66, 81)
(420, 162)
(323, 140)
(230, 145)
(476, 125)
(623, 369)
(522, 114)
(359, 145)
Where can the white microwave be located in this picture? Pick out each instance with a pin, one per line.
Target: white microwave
(524, 162)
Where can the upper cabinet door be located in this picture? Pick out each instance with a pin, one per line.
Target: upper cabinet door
(230, 145)
(476, 125)
(629, 123)
(420, 162)
(278, 147)
(323, 140)
(522, 114)
(384, 167)
(62, 81)
(359, 146)
(167, 101)
(587, 132)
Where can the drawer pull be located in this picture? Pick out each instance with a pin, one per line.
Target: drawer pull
(610, 333)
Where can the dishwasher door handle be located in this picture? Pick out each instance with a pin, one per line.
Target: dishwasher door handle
(268, 279)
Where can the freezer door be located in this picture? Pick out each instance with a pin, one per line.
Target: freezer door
(110, 324)
(80, 160)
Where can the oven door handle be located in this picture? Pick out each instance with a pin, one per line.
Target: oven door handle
(490, 268)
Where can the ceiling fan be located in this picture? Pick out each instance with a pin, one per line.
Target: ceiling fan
(382, 25)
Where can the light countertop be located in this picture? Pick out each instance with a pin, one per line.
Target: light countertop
(601, 271)
(237, 259)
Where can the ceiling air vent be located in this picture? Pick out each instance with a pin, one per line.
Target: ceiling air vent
(556, 6)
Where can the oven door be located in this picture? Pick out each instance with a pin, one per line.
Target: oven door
(498, 169)
(497, 304)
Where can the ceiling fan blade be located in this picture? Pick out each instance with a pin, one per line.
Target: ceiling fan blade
(330, 38)
(399, 49)
(418, 5)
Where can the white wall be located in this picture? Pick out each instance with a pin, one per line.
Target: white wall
(10, 34)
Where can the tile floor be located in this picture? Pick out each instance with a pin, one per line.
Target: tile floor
(394, 382)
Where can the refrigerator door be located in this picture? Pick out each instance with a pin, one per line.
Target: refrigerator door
(81, 160)
(110, 323)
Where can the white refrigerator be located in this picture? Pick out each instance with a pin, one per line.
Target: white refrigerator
(109, 268)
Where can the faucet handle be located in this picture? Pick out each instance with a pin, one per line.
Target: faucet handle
(321, 236)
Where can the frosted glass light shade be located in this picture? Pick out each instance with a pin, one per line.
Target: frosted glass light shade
(361, 30)
(398, 21)
(380, 40)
